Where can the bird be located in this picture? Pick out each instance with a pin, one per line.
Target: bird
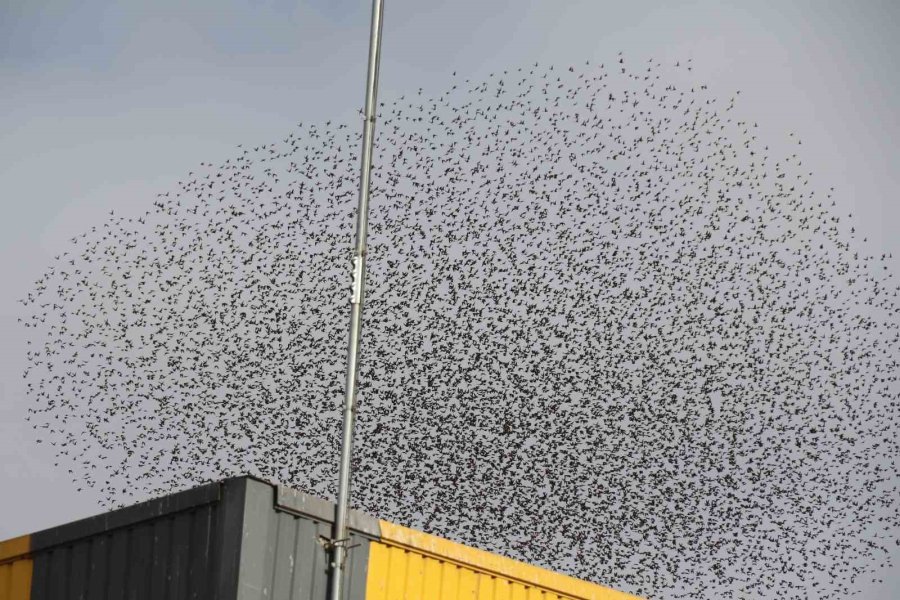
(608, 329)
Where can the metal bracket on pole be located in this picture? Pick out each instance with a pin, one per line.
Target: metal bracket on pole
(357, 289)
(330, 544)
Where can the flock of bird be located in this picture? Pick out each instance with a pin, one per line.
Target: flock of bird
(606, 331)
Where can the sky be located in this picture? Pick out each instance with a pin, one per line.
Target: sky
(104, 104)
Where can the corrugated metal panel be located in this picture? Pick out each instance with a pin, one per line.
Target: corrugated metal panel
(282, 557)
(15, 580)
(321, 510)
(15, 569)
(413, 565)
(165, 559)
(128, 516)
(168, 548)
(398, 573)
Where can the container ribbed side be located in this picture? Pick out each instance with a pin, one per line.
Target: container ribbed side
(170, 558)
(15, 579)
(283, 557)
(414, 565)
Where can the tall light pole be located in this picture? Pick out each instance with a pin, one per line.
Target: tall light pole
(341, 533)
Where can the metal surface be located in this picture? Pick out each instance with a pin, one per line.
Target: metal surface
(126, 517)
(340, 533)
(127, 553)
(15, 580)
(245, 539)
(413, 565)
(282, 555)
(172, 558)
(299, 503)
(16, 569)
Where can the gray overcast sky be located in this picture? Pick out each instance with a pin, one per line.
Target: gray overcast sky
(104, 104)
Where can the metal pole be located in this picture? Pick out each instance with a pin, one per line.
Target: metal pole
(341, 532)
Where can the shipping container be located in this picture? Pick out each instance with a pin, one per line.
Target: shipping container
(245, 539)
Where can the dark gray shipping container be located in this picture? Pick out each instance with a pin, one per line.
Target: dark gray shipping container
(238, 539)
